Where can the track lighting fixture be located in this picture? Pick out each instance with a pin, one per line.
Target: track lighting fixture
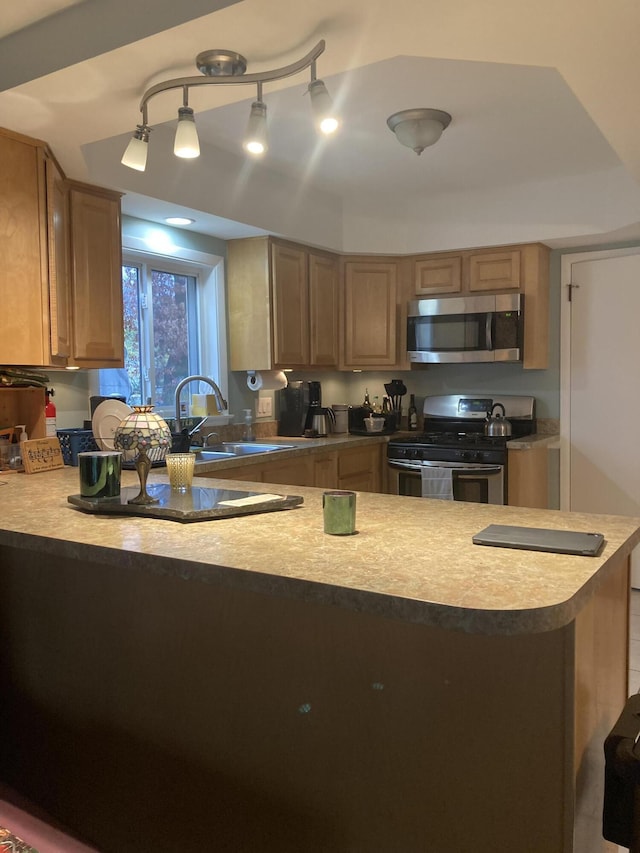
(135, 157)
(227, 67)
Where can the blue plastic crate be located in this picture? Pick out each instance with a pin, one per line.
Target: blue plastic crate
(74, 441)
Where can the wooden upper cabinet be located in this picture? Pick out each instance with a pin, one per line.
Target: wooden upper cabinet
(290, 306)
(442, 274)
(370, 313)
(96, 252)
(305, 307)
(491, 271)
(521, 269)
(59, 276)
(283, 305)
(323, 310)
(60, 250)
(27, 257)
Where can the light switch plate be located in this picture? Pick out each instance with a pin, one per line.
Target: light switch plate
(264, 406)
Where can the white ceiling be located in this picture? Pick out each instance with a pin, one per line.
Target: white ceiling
(538, 95)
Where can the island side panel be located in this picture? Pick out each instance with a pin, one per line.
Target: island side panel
(139, 708)
(601, 690)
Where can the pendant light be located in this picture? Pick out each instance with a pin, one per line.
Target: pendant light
(186, 143)
(324, 114)
(255, 139)
(135, 156)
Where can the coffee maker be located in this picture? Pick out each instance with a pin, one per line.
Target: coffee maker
(315, 404)
(319, 421)
(294, 404)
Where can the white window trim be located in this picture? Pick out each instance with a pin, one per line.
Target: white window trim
(211, 292)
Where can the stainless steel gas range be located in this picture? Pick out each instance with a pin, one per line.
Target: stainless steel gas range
(453, 458)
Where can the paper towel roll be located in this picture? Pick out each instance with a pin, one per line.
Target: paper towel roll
(267, 380)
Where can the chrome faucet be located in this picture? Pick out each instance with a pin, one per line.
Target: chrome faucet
(220, 401)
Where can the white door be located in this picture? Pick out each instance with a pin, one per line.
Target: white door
(600, 386)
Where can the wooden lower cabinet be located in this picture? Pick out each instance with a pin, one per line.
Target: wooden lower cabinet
(357, 469)
(324, 470)
(528, 478)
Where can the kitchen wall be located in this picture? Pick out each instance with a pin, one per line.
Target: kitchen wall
(72, 388)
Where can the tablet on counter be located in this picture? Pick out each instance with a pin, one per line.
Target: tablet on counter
(540, 539)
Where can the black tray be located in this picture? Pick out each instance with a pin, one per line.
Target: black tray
(196, 504)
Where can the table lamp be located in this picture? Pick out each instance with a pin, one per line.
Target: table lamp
(144, 437)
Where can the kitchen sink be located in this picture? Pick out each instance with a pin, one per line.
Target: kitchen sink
(239, 448)
(212, 455)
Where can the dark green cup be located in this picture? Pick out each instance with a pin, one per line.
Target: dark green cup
(339, 511)
(100, 474)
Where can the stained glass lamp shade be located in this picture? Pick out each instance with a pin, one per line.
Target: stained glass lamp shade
(143, 437)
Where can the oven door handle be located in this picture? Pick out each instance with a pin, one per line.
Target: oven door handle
(459, 469)
(472, 474)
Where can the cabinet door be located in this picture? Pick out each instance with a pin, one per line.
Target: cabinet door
(290, 306)
(441, 274)
(528, 479)
(370, 321)
(59, 275)
(24, 312)
(323, 311)
(252, 473)
(294, 472)
(325, 470)
(495, 271)
(98, 327)
(360, 468)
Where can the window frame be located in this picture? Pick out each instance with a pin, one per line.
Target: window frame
(211, 307)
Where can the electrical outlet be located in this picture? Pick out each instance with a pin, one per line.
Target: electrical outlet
(264, 406)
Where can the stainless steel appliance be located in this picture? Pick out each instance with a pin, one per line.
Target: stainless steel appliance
(488, 327)
(454, 449)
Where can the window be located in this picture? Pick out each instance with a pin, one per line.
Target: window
(174, 326)
(161, 330)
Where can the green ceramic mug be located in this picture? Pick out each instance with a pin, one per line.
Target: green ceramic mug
(100, 474)
(339, 511)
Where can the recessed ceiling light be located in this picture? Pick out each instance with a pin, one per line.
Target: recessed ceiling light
(178, 220)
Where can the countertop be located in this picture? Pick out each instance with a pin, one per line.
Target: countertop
(299, 447)
(412, 558)
(304, 446)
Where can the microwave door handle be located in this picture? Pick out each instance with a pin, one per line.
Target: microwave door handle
(489, 329)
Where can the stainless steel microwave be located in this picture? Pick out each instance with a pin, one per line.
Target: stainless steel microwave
(488, 327)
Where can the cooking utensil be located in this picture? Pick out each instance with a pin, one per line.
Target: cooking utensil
(396, 389)
(498, 425)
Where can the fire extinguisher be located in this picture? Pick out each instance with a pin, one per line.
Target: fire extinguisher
(50, 413)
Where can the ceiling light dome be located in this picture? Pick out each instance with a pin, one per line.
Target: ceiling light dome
(419, 128)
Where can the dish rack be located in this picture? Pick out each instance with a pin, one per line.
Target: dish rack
(74, 441)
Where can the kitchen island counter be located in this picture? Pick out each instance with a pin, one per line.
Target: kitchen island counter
(252, 684)
(411, 559)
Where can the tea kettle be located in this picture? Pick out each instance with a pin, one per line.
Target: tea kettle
(498, 425)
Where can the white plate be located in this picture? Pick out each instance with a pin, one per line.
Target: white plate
(106, 419)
